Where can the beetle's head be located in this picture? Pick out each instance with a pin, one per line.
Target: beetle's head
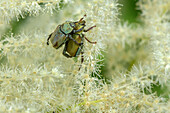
(83, 22)
(79, 24)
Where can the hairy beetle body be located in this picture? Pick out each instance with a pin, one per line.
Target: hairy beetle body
(70, 34)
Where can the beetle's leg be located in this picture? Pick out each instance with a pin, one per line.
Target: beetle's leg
(70, 37)
(82, 59)
(48, 39)
(89, 28)
(82, 52)
(82, 18)
(64, 52)
(90, 41)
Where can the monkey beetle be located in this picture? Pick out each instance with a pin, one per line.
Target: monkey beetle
(70, 34)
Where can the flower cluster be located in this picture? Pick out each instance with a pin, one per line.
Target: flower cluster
(117, 75)
(156, 17)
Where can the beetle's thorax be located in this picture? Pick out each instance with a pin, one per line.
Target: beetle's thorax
(66, 28)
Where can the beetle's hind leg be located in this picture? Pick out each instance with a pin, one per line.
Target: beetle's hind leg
(82, 52)
(82, 59)
(48, 39)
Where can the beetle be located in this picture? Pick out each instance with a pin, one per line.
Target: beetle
(70, 34)
(63, 32)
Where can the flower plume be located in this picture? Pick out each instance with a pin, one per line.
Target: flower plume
(127, 70)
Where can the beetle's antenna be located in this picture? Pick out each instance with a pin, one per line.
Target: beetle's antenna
(82, 18)
(48, 39)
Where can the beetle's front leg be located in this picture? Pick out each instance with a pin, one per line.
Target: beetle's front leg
(64, 52)
(70, 37)
(48, 39)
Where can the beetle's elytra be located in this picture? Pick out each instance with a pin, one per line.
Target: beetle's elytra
(70, 34)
